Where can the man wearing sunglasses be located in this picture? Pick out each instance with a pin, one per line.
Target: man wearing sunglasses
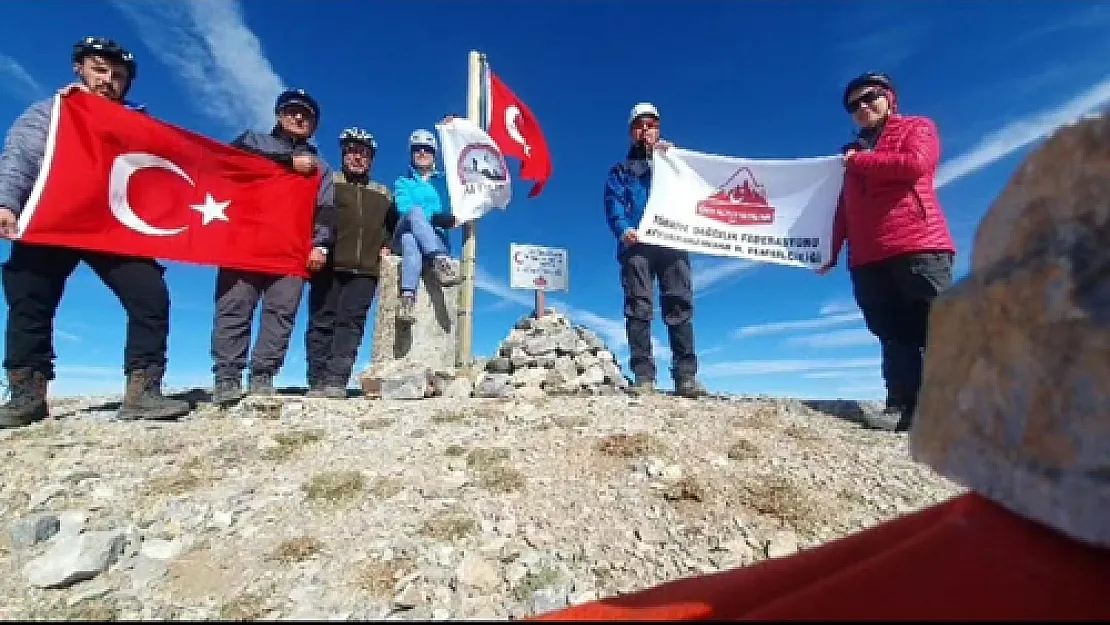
(626, 194)
(238, 292)
(900, 250)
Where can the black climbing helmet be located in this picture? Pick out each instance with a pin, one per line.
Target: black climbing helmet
(297, 96)
(108, 48)
(877, 79)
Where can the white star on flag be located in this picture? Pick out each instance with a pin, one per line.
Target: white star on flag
(211, 210)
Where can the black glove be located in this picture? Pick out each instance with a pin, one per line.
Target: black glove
(440, 220)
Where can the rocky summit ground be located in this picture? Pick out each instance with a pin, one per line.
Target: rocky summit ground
(301, 508)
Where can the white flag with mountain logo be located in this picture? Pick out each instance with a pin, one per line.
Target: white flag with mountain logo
(774, 211)
(477, 176)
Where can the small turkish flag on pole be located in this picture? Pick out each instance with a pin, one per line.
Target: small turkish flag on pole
(514, 129)
(119, 181)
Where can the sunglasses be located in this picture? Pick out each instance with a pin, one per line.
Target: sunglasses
(646, 124)
(417, 149)
(866, 97)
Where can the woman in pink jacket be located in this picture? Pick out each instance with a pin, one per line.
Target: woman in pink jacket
(900, 250)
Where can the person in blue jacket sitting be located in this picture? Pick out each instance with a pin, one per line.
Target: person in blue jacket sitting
(425, 217)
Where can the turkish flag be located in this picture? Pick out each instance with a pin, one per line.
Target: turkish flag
(119, 181)
(515, 130)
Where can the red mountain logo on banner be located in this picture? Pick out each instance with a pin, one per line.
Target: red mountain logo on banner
(744, 204)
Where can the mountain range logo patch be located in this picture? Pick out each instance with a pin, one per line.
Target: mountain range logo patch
(740, 201)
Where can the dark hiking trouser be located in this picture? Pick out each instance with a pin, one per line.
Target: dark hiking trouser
(237, 296)
(641, 266)
(895, 297)
(34, 279)
(338, 303)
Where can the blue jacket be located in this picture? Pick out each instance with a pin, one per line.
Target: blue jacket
(24, 147)
(626, 194)
(277, 147)
(410, 191)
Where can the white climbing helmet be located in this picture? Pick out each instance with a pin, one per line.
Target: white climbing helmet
(423, 137)
(643, 108)
(358, 135)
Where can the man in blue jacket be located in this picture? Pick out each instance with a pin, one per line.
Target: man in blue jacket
(238, 292)
(35, 275)
(626, 195)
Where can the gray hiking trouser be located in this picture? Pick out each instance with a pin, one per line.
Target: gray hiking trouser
(237, 296)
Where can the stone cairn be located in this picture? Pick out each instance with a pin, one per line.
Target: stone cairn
(550, 356)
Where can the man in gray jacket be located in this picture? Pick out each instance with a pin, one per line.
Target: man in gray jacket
(238, 292)
(35, 275)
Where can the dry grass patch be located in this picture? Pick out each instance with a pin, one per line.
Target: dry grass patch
(760, 416)
(628, 445)
(743, 449)
(385, 487)
(448, 526)
(379, 578)
(801, 432)
(500, 479)
(448, 416)
(47, 428)
(779, 498)
(289, 443)
(97, 609)
(686, 489)
(377, 423)
(454, 451)
(297, 549)
(491, 473)
(334, 486)
(243, 607)
(481, 458)
(196, 472)
(546, 577)
(571, 421)
(156, 447)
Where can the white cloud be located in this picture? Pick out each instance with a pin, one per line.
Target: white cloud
(771, 367)
(66, 336)
(845, 374)
(220, 61)
(18, 81)
(854, 337)
(719, 272)
(1022, 132)
(838, 306)
(780, 327)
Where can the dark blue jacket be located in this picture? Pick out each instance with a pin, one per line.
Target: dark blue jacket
(626, 194)
(281, 149)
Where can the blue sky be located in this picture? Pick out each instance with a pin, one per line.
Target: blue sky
(755, 79)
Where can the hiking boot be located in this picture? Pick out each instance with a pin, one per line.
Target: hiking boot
(227, 391)
(446, 270)
(27, 401)
(690, 388)
(143, 398)
(406, 312)
(643, 386)
(261, 384)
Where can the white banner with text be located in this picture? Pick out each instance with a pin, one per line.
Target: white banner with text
(774, 211)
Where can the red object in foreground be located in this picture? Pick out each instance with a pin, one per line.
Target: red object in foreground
(514, 129)
(966, 558)
(119, 181)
